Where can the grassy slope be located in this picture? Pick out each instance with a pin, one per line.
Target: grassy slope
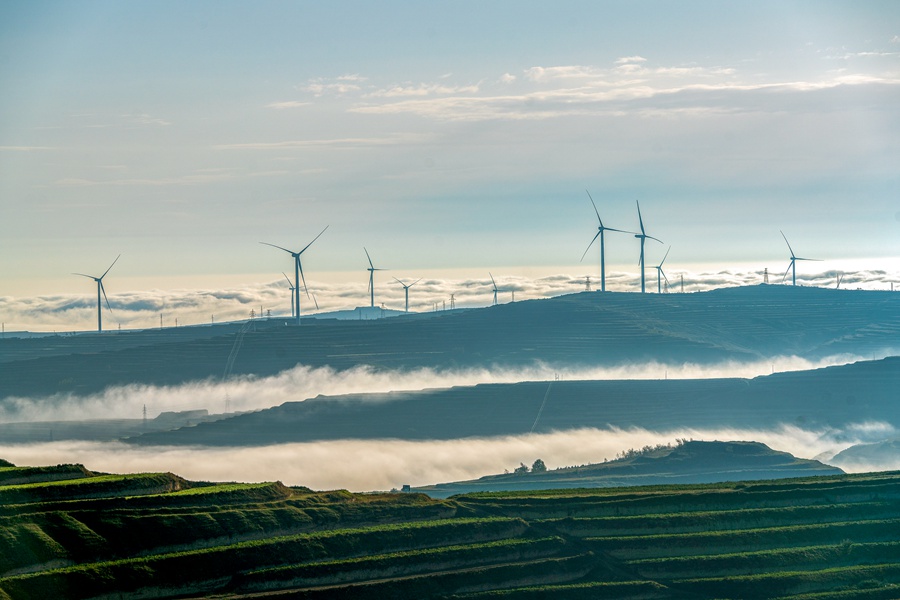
(830, 534)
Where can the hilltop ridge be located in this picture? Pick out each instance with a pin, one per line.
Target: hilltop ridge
(583, 329)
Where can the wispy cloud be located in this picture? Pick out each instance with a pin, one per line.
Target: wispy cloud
(287, 104)
(25, 148)
(387, 140)
(630, 86)
(199, 177)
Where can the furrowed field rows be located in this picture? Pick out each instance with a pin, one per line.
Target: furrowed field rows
(399, 564)
(692, 522)
(722, 542)
(179, 570)
(845, 554)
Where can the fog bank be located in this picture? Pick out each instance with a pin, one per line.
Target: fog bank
(364, 465)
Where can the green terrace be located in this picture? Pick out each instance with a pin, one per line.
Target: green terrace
(66, 532)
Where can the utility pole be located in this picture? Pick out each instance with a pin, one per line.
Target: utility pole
(452, 301)
(587, 283)
(766, 275)
(682, 283)
(160, 320)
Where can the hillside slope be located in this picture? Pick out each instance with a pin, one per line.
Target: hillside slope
(688, 462)
(822, 398)
(585, 329)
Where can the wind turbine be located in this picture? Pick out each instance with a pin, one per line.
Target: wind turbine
(406, 289)
(298, 271)
(100, 289)
(661, 274)
(643, 236)
(494, 283)
(599, 234)
(792, 266)
(371, 271)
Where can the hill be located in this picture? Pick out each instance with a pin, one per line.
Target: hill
(156, 535)
(822, 398)
(687, 462)
(585, 329)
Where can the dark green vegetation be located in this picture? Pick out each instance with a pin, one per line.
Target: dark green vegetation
(585, 329)
(820, 399)
(68, 533)
(688, 462)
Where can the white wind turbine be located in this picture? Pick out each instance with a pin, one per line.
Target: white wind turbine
(298, 271)
(100, 289)
(599, 234)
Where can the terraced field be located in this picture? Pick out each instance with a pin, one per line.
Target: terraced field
(66, 532)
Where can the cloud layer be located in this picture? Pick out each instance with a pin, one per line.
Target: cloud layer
(142, 309)
(362, 465)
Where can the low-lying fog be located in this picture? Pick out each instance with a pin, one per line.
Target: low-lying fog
(364, 465)
(303, 382)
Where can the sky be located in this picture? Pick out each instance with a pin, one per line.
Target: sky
(450, 140)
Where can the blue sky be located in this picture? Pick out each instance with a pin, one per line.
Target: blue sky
(440, 136)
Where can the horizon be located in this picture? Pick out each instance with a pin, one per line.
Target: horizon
(141, 307)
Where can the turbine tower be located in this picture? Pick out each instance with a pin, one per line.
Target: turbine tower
(290, 287)
(100, 289)
(494, 283)
(660, 274)
(298, 271)
(371, 271)
(406, 290)
(643, 236)
(599, 234)
(792, 266)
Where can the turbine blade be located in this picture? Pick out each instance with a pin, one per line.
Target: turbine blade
(314, 239)
(369, 257)
(415, 282)
(103, 289)
(88, 276)
(595, 207)
(788, 270)
(494, 283)
(290, 283)
(665, 257)
(650, 237)
(640, 219)
(664, 275)
(110, 267)
(589, 245)
(400, 282)
(619, 230)
(787, 242)
(279, 247)
(316, 302)
(302, 278)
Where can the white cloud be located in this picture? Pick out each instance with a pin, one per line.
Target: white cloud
(387, 140)
(422, 89)
(630, 60)
(507, 78)
(287, 104)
